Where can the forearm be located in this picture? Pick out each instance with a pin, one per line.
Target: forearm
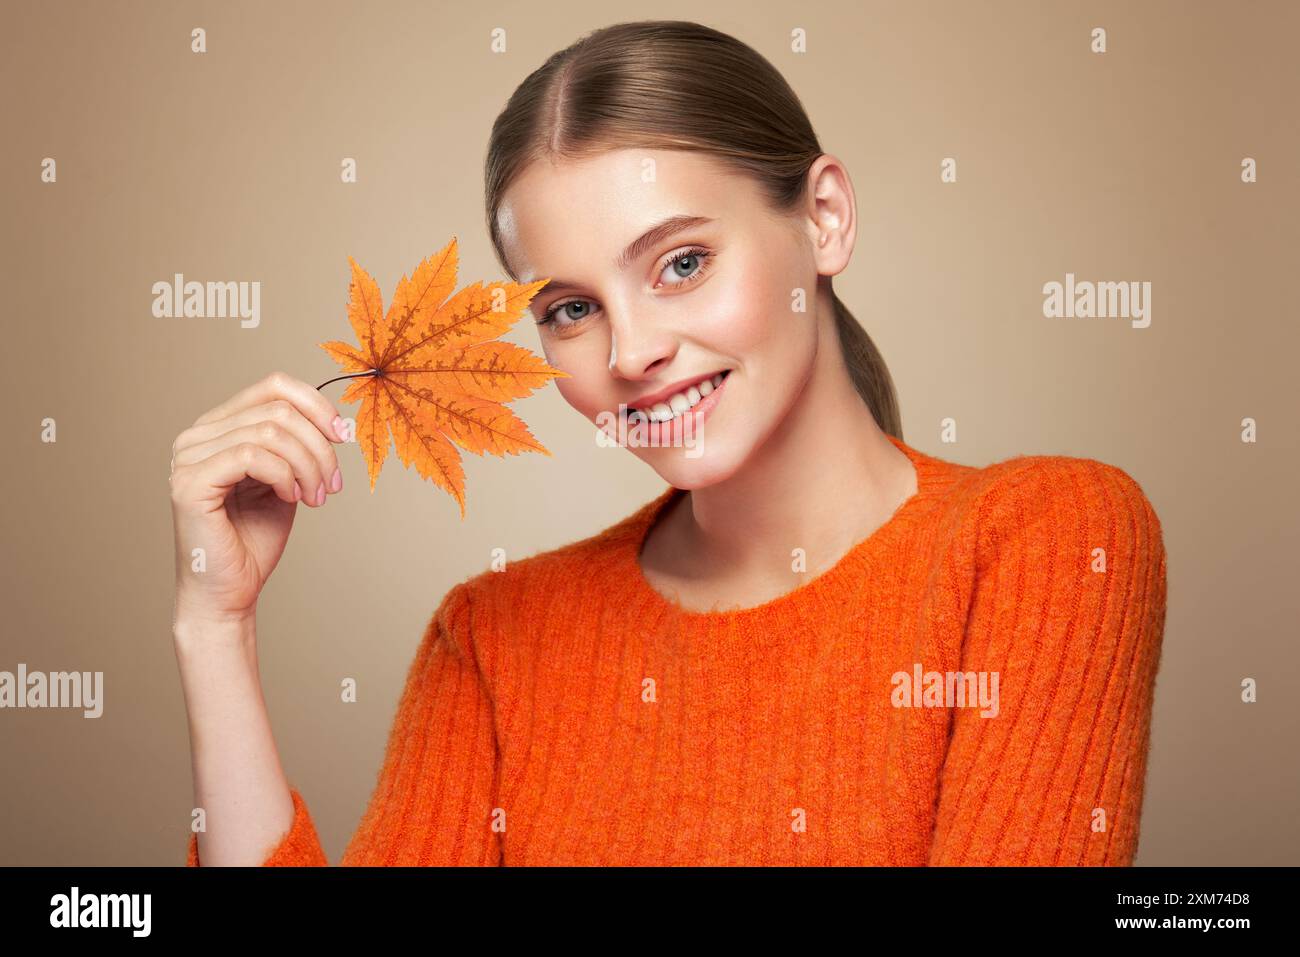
(238, 780)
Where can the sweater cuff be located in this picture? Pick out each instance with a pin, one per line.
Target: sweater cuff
(300, 846)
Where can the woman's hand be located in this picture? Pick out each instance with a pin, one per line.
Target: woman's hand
(237, 475)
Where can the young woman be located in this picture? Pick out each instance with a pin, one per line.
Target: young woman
(818, 645)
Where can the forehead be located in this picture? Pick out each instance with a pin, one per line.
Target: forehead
(557, 215)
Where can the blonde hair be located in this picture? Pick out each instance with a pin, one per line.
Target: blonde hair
(674, 84)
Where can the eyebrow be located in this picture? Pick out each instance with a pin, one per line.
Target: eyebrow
(637, 248)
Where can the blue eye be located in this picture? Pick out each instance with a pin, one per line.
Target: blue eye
(550, 313)
(693, 260)
(690, 257)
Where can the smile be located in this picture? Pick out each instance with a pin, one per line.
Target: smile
(680, 402)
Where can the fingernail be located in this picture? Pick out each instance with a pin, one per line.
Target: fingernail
(337, 426)
(336, 482)
(297, 491)
(320, 494)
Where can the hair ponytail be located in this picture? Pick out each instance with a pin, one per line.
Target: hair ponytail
(868, 370)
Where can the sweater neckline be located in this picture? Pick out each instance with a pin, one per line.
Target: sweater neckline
(929, 481)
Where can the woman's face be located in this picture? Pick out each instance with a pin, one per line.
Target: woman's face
(732, 290)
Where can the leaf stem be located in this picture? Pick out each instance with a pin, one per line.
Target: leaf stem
(355, 375)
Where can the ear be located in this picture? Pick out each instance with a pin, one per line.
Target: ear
(832, 214)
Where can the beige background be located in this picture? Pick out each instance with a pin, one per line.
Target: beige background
(225, 166)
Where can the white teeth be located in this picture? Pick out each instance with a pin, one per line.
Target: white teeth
(676, 404)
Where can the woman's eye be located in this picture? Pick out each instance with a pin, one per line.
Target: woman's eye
(568, 319)
(684, 267)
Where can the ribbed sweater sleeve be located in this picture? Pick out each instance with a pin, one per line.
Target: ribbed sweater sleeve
(433, 803)
(1069, 611)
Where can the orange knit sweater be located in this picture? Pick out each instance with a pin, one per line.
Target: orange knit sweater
(563, 712)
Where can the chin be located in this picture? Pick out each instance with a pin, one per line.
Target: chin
(716, 463)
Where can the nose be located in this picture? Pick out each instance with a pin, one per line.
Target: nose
(638, 346)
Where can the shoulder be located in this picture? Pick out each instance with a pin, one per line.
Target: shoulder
(519, 591)
(1039, 506)
(1056, 480)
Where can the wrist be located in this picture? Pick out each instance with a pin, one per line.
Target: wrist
(192, 630)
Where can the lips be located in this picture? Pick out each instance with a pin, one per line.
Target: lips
(680, 425)
(664, 394)
(676, 398)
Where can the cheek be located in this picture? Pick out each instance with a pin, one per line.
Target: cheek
(587, 366)
(584, 391)
(751, 313)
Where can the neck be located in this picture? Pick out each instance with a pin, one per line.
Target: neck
(825, 480)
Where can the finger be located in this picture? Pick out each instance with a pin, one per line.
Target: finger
(274, 438)
(221, 471)
(280, 385)
(281, 412)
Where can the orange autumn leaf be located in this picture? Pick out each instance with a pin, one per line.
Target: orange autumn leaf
(438, 375)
